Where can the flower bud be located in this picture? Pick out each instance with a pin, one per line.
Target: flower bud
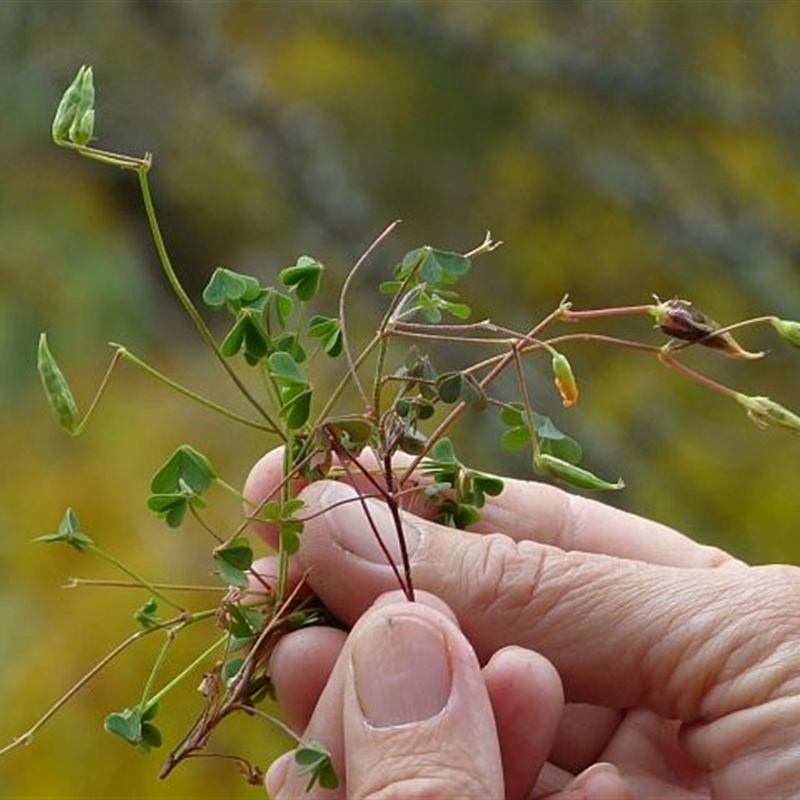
(788, 330)
(564, 380)
(765, 412)
(681, 320)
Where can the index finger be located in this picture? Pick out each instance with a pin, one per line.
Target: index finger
(528, 510)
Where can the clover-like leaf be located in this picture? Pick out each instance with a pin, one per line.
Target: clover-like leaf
(229, 288)
(233, 560)
(69, 532)
(134, 725)
(304, 277)
(314, 760)
(329, 331)
(186, 467)
(147, 614)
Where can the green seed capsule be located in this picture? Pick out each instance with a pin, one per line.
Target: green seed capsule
(65, 113)
(788, 329)
(59, 395)
(82, 131)
(575, 476)
(84, 111)
(765, 412)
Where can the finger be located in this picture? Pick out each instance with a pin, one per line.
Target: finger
(539, 512)
(302, 662)
(601, 781)
(620, 633)
(583, 733)
(527, 700)
(300, 667)
(325, 723)
(266, 477)
(418, 721)
(546, 514)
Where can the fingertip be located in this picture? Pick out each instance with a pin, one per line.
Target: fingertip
(300, 667)
(261, 483)
(601, 781)
(275, 778)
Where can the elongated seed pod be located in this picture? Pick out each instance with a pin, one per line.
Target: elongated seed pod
(572, 474)
(83, 120)
(59, 395)
(67, 108)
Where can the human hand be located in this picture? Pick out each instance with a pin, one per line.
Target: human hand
(683, 662)
(407, 712)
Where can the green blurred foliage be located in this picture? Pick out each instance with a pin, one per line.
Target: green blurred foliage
(618, 148)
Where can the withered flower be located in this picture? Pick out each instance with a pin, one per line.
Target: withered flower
(681, 320)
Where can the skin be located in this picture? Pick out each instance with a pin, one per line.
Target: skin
(576, 637)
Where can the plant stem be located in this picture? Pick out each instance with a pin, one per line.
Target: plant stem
(669, 361)
(26, 737)
(123, 352)
(351, 363)
(189, 307)
(182, 675)
(106, 556)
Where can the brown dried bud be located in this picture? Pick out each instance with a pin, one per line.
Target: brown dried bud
(681, 320)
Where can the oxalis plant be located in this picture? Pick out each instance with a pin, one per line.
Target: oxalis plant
(405, 403)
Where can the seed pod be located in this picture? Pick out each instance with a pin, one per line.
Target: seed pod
(83, 120)
(83, 129)
(765, 412)
(564, 380)
(576, 476)
(681, 320)
(59, 395)
(65, 113)
(788, 329)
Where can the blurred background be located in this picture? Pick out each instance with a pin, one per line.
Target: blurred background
(619, 149)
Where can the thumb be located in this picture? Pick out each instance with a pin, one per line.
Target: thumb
(418, 721)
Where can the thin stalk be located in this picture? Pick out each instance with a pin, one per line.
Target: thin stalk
(123, 352)
(499, 367)
(602, 313)
(185, 672)
(27, 737)
(160, 658)
(106, 556)
(189, 307)
(100, 390)
(351, 363)
(77, 583)
(698, 377)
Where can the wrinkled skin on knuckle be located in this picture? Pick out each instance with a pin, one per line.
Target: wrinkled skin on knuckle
(498, 590)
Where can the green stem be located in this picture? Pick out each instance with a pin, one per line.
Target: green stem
(123, 352)
(183, 674)
(26, 737)
(160, 658)
(669, 361)
(189, 307)
(106, 556)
